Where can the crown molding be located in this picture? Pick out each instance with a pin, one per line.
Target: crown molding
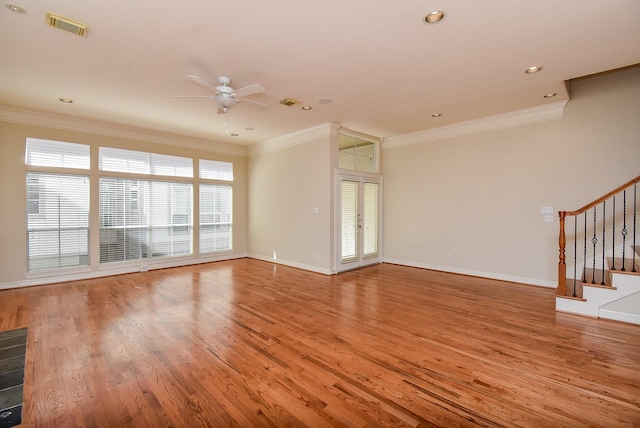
(71, 123)
(300, 137)
(489, 123)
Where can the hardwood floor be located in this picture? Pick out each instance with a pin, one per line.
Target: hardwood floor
(248, 343)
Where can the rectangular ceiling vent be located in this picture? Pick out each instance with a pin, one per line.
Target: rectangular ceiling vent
(289, 102)
(67, 24)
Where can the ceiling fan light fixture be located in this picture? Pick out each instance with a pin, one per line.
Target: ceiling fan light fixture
(434, 17)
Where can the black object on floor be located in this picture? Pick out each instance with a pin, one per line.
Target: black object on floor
(13, 344)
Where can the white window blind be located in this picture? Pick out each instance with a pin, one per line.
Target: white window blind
(216, 170)
(141, 219)
(215, 217)
(57, 221)
(349, 194)
(57, 154)
(370, 214)
(122, 160)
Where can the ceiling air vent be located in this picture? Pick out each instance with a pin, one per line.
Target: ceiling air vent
(67, 24)
(289, 102)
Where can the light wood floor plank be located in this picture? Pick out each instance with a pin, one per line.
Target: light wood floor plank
(249, 343)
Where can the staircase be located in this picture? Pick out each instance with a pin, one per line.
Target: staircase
(618, 299)
(599, 262)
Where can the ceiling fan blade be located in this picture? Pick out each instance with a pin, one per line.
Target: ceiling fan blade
(256, 88)
(244, 100)
(208, 97)
(200, 81)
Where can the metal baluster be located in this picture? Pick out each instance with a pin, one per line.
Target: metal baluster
(575, 254)
(635, 209)
(613, 244)
(604, 227)
(584, 257)
(594, 241)
(624, 227)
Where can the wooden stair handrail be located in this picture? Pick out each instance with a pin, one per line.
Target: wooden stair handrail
(562, 240)
(604, 197)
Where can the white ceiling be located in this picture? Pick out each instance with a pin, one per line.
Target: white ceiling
(384, 69)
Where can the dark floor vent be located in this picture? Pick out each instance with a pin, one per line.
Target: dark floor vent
(13, 344)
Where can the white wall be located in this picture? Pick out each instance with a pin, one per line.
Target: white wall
(286, 186)
(478, 197)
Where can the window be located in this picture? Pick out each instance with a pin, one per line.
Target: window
(57, 205)
(357, 154)
(216, 170)
(215, 217)
(141, 219)
(57, 154)
(121, 160)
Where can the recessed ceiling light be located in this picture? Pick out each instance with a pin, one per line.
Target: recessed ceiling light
(306, 107)
(533, 69)
(434, 16)
(65, 100)
(233, 134)
(16, 8)
(550, 95)
(436, 115)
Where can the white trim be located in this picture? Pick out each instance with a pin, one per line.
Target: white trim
(69, 123)
(489, 123)
(292, 264)
(490, 275)
(295, 138)
(139, 266)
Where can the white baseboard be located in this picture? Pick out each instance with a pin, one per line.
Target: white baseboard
(116, 269)
(490, 275)
(316, 269)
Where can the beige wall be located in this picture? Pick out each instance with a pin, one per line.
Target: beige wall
(13, 193)
(285, 187)
(478, 197)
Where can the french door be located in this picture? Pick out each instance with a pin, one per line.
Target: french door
(359, 222)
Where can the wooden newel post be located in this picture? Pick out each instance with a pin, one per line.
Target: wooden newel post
(562, 265)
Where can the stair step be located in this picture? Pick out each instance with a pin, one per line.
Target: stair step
(597, 278)
(617, 264)
(589, 281)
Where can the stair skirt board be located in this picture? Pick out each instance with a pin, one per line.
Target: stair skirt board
(626, 309)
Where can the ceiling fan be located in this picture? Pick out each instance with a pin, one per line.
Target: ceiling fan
(225, 96)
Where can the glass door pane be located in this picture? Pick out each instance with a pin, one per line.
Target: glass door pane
(370, 219)
(349, 217)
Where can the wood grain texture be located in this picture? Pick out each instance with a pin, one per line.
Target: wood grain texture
(249, 343)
